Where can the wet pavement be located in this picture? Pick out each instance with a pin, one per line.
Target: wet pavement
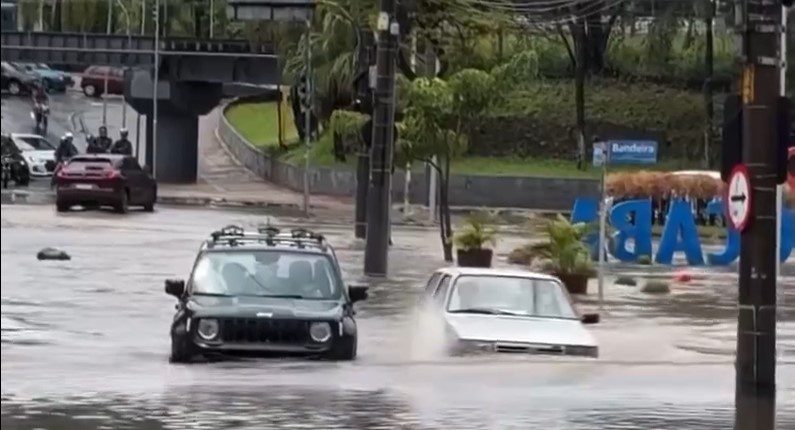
(85, 344)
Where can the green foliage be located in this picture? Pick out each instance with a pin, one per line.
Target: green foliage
(518, 70)
(564, 247)
(472, 93)
(656, 287)
(347, 124)
(475, 233)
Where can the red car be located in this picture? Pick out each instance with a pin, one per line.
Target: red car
(93, 80)
(104, 180)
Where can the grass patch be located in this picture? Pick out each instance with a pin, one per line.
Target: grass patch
(704, 231)
(259, 124)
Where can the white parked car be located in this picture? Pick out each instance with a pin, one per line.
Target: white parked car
(508, 311)
(38, 152)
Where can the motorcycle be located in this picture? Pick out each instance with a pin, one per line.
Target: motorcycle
(15, 170)
(39, 115)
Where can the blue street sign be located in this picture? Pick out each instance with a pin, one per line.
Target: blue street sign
(632, 151)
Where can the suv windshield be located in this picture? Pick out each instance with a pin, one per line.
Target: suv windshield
(266, 273)
(34, 144)
(504, 295)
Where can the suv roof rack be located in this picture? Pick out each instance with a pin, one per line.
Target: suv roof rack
(234, 235)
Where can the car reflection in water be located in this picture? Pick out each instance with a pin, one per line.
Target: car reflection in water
(507, 311)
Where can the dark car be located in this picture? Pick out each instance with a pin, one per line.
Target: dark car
(53, 80)
(14, 80)
(93, 80)
(262, 294)
(104, 180)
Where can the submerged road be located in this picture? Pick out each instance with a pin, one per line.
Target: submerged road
(85, 345)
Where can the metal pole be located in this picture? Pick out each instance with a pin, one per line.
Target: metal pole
(378, 209)
(780, 188)
(155, 79)
(105, 98)
(432, 190)
(307, 113)
(602, 234)
(212, 18)
(129, 42)
(138, 138)
(110, 16)
(364, 91)
(755, 390)
(406, 190)
(143, 17)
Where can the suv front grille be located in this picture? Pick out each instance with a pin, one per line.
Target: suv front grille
(263, 330)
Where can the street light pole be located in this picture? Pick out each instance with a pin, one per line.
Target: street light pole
(755, 390)
(379, 194)
(155, 80)
(307, 113)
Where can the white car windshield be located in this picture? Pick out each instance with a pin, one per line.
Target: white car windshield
(266, 273)
(34, 144)
(507, 295)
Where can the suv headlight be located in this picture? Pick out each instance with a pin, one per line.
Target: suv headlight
(320, 331)
(208, 329)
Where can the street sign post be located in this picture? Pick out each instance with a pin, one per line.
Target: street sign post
(739, 198)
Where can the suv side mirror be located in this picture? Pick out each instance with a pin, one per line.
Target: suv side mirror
(590, 319)
(357, 293)
(175, 287)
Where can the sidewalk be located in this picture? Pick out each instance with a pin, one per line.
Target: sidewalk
(222, 180)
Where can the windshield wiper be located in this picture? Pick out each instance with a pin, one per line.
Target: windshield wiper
(200, 293)
(486, 311)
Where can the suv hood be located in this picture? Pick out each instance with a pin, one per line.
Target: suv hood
(249, 307)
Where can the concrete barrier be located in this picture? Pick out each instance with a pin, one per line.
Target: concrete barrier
(527, 192)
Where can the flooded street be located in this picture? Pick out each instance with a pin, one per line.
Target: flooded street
(85, 344)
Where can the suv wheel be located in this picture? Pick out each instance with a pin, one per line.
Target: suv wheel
(344, 349)
(124, 203)
(14, 88)
(90, 90)
(62, 207)
(180, 352)
(150, 206)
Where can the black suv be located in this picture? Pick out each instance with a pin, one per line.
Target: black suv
(264, 293)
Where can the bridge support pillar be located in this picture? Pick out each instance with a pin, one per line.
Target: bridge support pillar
(174, 158)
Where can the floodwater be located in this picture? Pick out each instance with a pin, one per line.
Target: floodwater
(85, 345)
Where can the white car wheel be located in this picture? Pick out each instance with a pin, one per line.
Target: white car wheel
(90, 90)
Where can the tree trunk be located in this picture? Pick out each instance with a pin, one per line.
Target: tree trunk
(579, 88)
(709, 71)
(445, 226)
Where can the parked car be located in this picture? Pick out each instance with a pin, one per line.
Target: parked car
(104, 180)
(14, 80)
(38, 152)
(15, 168)
(93, 80)
(264, 293)
(53, 80)
(495, 310)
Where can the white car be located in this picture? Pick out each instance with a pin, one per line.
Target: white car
(37, 151)
(508, 311)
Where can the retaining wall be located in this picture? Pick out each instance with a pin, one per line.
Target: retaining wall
(557, 194)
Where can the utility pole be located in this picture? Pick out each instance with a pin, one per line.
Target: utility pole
(755, 390)
(365, 96)
(709, 66)
(379, 194)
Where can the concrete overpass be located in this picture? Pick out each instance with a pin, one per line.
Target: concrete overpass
(191, 78)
